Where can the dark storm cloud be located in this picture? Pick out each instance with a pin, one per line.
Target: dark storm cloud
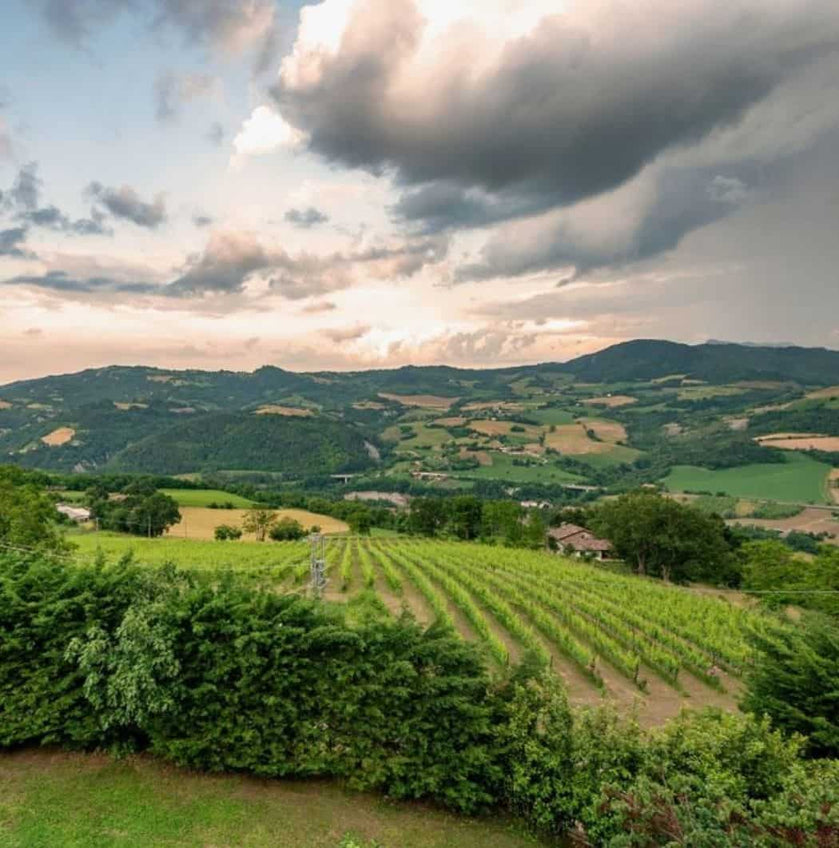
(125, 203)
(566, 112)
(682, 201)
(62, 282)
(11, 241)
(172, 91)
(306, 218)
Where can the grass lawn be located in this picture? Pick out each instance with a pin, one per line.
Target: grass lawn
(57, 800)
(502, 468)
(798, 479)
(204, 497)
(550, 416)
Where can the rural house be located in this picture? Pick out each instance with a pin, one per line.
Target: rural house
(75, 513)
(577, 541)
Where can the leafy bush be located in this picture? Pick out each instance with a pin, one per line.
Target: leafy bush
(286, 530)
(226, 532)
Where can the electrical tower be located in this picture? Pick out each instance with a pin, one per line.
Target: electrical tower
(317, 568)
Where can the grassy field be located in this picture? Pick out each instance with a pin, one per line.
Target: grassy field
(502, 468)
(204, 497)
(56, 800)
(798, 479)
(582, 620)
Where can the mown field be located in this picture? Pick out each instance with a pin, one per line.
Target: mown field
(205, 497)
(800, 479)
(56, 800)
(200, 522)
(641, 644)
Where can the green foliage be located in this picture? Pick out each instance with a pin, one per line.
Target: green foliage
(140, 510)
(663, 538)
(226, 532)
(259, 521)
(27, 515)
(782, 577)
(287, 530)
(796, 682)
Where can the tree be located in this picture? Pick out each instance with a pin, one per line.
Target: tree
(225, 532)
(466, 516)
(286, 530)
(258, 521)
(360, 519)
(795, 681)
(27, 515)
(664, 538)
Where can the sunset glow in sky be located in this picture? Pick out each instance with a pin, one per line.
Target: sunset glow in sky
(369, 183)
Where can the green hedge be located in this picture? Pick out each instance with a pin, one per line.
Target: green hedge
(215, 674)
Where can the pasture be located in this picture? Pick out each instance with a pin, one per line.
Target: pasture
(611, 401)
(637, 643)
(503, 467)
(422, 401)
(799, 479)
(200, 522)
(205, 497)
(49, 798)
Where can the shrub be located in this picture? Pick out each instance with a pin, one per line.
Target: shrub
(286, 530)
(226, 532)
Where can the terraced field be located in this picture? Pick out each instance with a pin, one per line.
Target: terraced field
(639, 643)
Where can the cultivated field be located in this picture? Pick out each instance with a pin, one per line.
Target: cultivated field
(639, 643)
(51, 800)
(611, 401)
(287, 411)
(833, 485)
(809, 520)
(200, 522)
(59, 437)
(801, 442)
(423, 401)
(800, 479)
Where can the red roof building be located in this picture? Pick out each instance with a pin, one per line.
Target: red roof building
(577, 541)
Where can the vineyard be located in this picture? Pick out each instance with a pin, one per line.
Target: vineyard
(642, 644)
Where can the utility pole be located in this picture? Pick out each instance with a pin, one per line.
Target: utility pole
(317, 568)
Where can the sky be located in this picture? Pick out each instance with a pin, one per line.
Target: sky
(354, 184)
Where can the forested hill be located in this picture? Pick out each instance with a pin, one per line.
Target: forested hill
(715, 362)
(156, 420)
(636, 360)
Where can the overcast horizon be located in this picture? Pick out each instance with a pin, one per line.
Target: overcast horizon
(360, 184)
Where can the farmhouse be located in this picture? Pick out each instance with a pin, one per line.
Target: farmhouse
(570, 538)
(75, 513)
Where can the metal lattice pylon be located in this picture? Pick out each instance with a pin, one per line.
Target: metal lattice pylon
(317, 568)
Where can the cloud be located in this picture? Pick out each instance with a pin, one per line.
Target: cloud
(347, 334)
(125, 203)
(565, 109)
(201, 220)
(232, 26)
(11, 241)
(26, 191)
(216, 133)
(319, 307)
(224, 266)
(172, 91)
(230, 259)
(63, 282)
(639, 220)
(306, 218)
(5, 141)
(263, 132)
